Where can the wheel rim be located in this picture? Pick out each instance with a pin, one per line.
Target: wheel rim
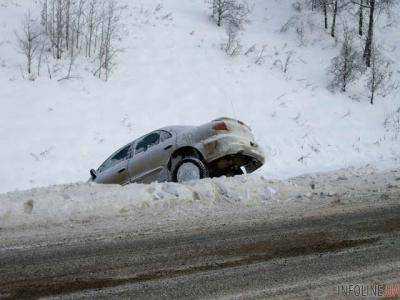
(188, 171)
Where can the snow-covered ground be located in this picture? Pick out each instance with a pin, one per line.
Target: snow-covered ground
(172, 71)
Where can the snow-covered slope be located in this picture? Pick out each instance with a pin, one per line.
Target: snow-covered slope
(172, 71)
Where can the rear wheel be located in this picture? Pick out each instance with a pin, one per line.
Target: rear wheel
(189, 168)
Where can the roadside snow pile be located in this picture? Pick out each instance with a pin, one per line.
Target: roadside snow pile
(87, 201)
(85, 204)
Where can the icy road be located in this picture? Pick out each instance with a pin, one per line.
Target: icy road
(239, 237)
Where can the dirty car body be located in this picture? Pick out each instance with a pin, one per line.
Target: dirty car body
(179, 153)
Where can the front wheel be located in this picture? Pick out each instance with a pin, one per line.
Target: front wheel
(189, 168)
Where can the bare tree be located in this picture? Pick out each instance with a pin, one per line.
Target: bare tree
(361, 18)
(89, 27)
(335, 10)
(370, 36)
(91, 22)
(371, 5)
(392, 124)
(232, 47)
(108, 27)
(320, 5)
(44, 16)
(51, 26)
(314, 4)
(287, 61)
(220, 9)
(284, 63)
(379, 75)
(28, 40)
(234, 12)
(78, 23)
(261, 56)
(238, 14)
(345, 66)
(39, 63)
(67, 12)
(324, 5)
(109, 52)
(59, 23)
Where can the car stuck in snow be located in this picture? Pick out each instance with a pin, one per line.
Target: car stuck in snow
(181, 153)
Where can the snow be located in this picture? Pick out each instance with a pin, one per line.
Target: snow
(85, 202)
(172, 71)
(136, 206)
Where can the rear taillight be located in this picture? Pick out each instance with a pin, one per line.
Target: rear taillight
(220, 126)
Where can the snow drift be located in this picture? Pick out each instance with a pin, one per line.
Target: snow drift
(88, 203)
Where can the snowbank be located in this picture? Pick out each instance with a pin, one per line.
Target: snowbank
(88, 203)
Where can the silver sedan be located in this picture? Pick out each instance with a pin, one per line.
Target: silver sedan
(181, 153)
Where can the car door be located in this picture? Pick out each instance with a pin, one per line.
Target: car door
(152, 153)
(115, 169)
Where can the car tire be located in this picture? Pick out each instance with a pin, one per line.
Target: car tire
(189, 168)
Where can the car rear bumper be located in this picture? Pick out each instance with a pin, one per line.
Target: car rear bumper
(228, 144)
(257, 155)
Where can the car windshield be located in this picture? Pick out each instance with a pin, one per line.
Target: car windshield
(117, 157)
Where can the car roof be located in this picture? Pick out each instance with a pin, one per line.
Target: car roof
(178, 129)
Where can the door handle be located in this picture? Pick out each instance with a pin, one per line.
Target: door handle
(122, 170)
(168, 147)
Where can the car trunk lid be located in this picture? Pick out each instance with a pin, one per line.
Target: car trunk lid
(232, 126)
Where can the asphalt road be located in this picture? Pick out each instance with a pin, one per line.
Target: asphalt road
(295, 257)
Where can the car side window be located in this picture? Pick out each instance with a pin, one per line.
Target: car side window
(165, 135)
(147, 142)
(116, 158)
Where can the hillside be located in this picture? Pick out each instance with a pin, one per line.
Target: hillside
(171, 70)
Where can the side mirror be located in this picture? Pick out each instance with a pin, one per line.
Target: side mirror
(93, 174)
